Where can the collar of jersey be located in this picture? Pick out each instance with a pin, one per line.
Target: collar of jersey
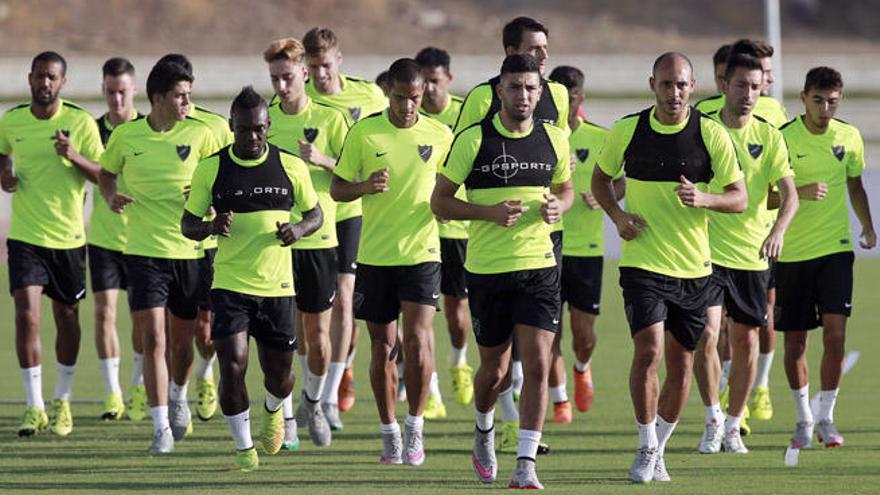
(305, 108)
(54, 116)
(249, 163)
(496, 121)
(806, 131)
(445, 109)
(110, 126)
(667, 129)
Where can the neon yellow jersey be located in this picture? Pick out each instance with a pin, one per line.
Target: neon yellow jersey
(584, 235)
(676, 240)
(735, 239)
(449, 115)
(768, 108)
(252, 260)
(822, 227)
(453, 229)
(222, 134)
(482, 101)
(47, 208)
(358, 99)
(325, 127)
(398, 227)
(497, 165)
(157, 167)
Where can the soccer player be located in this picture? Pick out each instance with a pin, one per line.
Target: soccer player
(52, 144)
(522, 35)
(439, 104)
(669, 154)
(157, 156)
(314, 132)
(740, 247)
(814, 273)
(357, 98)
(390, 159)
(106, 240)
(583, 242)
(517, 176)
(253, 186)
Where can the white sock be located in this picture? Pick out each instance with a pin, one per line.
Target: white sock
(725, 374)
(509, 411)
(457, 357)
(802, 404)
(390, 428)
(582, 367)
(287, 404)
(400, 368)
(177, 392)
(349, 360)
(827, 398)
(137, 369)
(732, 422)
(664, 432)
(240, 426)
(331, 387)
(304, 364)
(110, 372)
(434, 387)
(160, 418)
(527, 448)
(33, 386)
(763, 375)
(714, 414)
(64, 381)
(315, 386)
(273, 403)
(559, 394)
(486, 420)
(205, 367)
(517, 376)
(416, 422)
(647, 434)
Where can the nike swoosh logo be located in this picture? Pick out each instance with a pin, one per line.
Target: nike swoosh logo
(18, 140)
(555, 321)
(381, 153)
(333, 297)
(290, 342)
(801, 156)
(435, 296)
(80, 294)
(138, 153)
(847, 305)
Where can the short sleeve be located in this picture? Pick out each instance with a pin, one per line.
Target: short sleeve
(475, 107)
(199, 200)
(856, 163)
(5, 145)
(210, 144)
(112, 160)
(610, 160)
(562, 171)
(718, 143)
(338, 129)
(780, 167)
(90, 145)
(460, 160)
(348, 167)
(304, 195)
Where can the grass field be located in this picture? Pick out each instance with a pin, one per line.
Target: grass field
(592, 455)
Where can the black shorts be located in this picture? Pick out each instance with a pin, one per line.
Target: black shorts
(452, 277)
(742, 292)
(207, 267)
(498, 301)
(379, 290)
(650, 298)
(314, 278)
(165, 283)
(556, 238)
(348, 233)
(61, 272)
(269, 320)
(771, 280)
(811, 288)
(582, 282)
(106, 269)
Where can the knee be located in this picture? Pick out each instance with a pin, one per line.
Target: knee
(27, 319)
(647, 357)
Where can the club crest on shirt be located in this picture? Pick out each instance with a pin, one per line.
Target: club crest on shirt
(425, 151)
(183, 151)
(310, 134)
(582, 154)
(839, 152)
(66, 132)
(755, 150)
(355, 113)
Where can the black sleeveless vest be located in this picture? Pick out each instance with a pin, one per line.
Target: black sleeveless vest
(503, 161)
(652, 156)
(545, 110)
(248, 189)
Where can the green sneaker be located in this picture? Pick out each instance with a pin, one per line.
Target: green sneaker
(724, 399)
(247, 460)
(137, 403)
(62, 419)
(462, 384)
(34, 421)
(434, 408)
(114, 407)
(760, 404)
(206, 406)
(272, 430)
(509, 436)
(744, 428)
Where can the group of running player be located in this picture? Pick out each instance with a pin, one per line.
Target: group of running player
(370, 203)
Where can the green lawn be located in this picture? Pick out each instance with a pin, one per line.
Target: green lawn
(592, 455)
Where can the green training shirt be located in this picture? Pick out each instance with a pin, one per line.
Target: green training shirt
(324, 127)
(497, 165)
(453, 229)
(584, 227)
(398, 228)
(768, 108)
(822, 227)
(222, 134)
(157, 167)
(47, 208)
(676, 240)
(252, 260)
(482, 102)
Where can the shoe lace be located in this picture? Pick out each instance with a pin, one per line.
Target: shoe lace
(413, 441)
(645, 454)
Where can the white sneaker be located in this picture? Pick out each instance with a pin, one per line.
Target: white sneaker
(392, 448)
(413, 446)
(660, 473)
(733, 442)
(163, 442)
(483, 457)
(713, 434)
(642, 470)
(524, 476)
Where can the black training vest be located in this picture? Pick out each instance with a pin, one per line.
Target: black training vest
(106, 131)
(503, 161)
(652, 156)
(545, 110)
(247, 189)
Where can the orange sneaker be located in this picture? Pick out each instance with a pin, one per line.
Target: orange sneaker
(583, 389)
(346, 390)
(562, 412)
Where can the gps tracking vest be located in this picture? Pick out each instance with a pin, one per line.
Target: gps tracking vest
(545, 110)
(504, 161)
(241, 189)
(652, 156)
